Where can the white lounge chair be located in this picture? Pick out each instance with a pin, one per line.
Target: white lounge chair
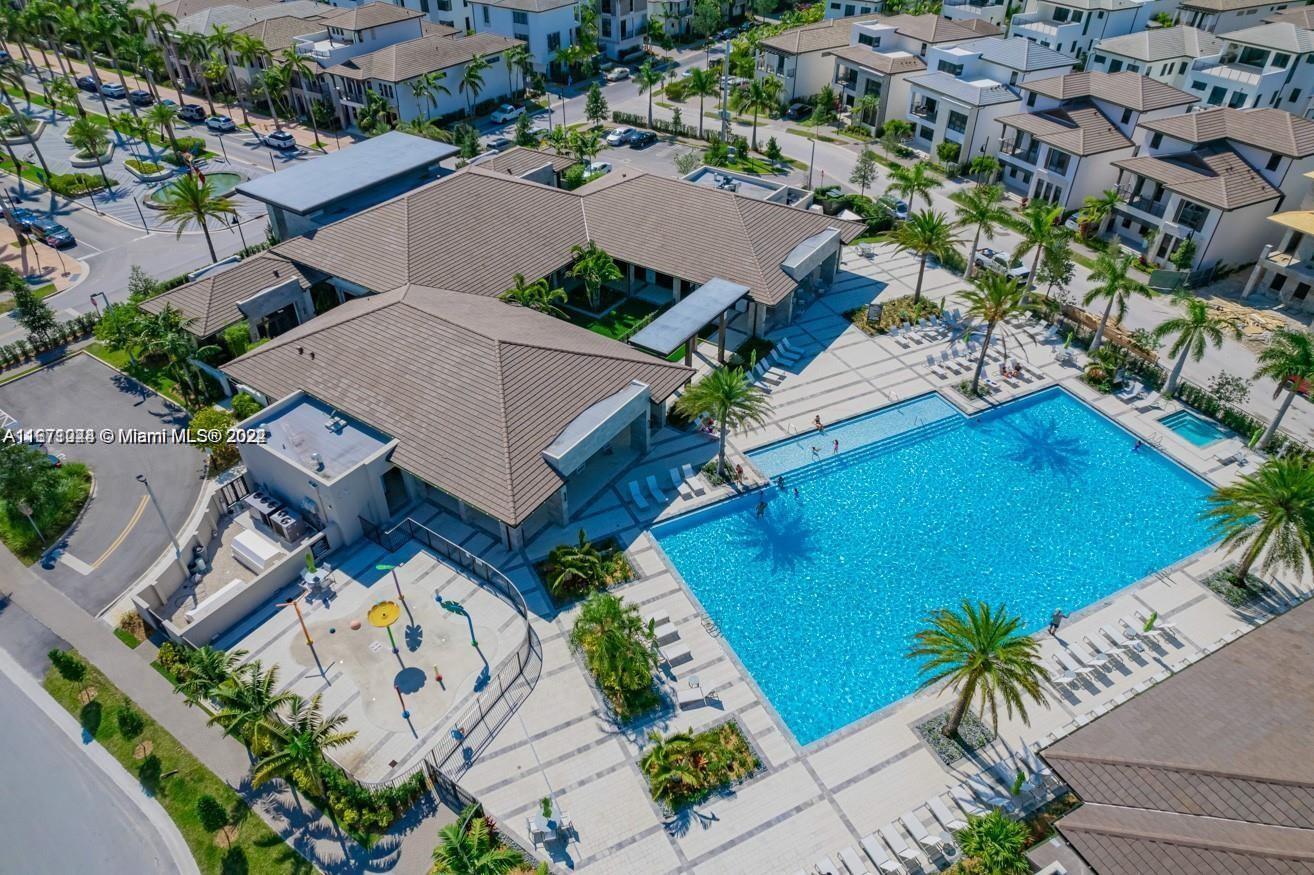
(852, 861)
(1100, 657)
(637, 495)
(1065, 674)
(880, 856)
(899, 845)
(1069, 661)
(988, 794)
(659, 618)
(690, 697)
(1159, 623)
(826, 866)
(949, 820)
(676, 654)
(965, 800)
(921, 835)
(1123, 641)
(655, 489)
(693, 479)
(665, 632)
(1035, 764)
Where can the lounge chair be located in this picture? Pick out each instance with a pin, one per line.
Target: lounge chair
(665, 632)
(1166, 625)
(676, 654)
(826, 866)
(659, 618)
(934, 367)
(967, 801)
(637, 495)
(899, 845)
(1125, 641)
(655, 489)
(851, 861)
(949, 820)
(1065, 674)
(1036, 764)
(690, 697)
(1100, 657)
(1075, 666)
(988, 794)
(921, 835)
(880, 856)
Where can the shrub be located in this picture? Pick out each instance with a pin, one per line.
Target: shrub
(685, 768)
(192, 145)
(209, 431)
(245, 407)
(620, 651)
(895, 311)
(676, 89)
(149, 773)
(237, 338)
(210, 813)
(145, 168)
(76, 184)
(662, 126)
(172, 661)
(997, 841)
(948, 151)
(130, 721)
(90, 717)
(70, 667)
(573, 177)
(575, 570)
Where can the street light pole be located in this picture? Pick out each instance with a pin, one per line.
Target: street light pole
(141, 478)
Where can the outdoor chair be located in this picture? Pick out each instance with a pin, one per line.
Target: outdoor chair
(690, 697)
(1065, 675)
(921, 835)
(949, 820)
(964, 799)
(899, 845)
(826, 866)
(879, 856)
(637, 495)
(1166, 626)
(655, 489)
(852, 862)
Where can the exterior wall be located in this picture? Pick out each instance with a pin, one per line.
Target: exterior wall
(620, 27)
(498, 83)
(1173, 71)
(980, 128)
(803, 75)
(1232, 19)
(962, 10)
(1041, 23)
(1239, 236)
(676, 16)
(849, 8)
(1242, 86)
(543, 32)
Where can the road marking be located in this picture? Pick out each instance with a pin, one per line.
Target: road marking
(141, 507)
(67, 558)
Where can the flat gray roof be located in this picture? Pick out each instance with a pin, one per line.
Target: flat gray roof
(310, 433)
(312, 185)
(665, 333)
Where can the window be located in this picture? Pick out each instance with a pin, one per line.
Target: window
(1281, 60)
(1133, 68)
(1126, 116)
(1181, 68)
(1295, 95)
(1273, 162)
(1031, 98)
(1237, 98)
(1252, 57)
(1156, 141)
(485, 11)
(952, 69)
(1077, 15)
(957, 122)
(1197, 86)
(849, 10)
(1057, 162)
(1100, 59)
(518, 17)
(1192, 215)
(1216, 95)
(606, 27)
(867, 39)
(554, 41)
(1115, 65)
(926, 133)
(1061, 14)
(424, 6)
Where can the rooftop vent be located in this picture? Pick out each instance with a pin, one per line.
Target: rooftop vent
(318, 460)
(336, 424)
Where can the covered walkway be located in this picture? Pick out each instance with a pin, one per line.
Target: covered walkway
(711, 302)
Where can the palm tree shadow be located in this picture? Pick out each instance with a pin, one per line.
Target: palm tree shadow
(681, 822)
(1039, 446)
(781, 536)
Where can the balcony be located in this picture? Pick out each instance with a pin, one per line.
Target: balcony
(848, 80)
(924, 112)
(1036, 27)
(1022, 154)
(1147, 205)
(1289, 263)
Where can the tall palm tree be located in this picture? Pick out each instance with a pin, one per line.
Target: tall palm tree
(1271, 510)
(1095, 210)
(1038, 225)
(924, 234)
(647, 78)
(983, 168)
(586, 144)
(731, 399)
(864, 109)
(249, 701)
(76, 28)
(472, 79)
(207, 668)
(272, 82)
(913, 182)
(594, 267)
(1196, 330)
(163, 116)
(221, 40)
(297, 67)
(297, 743)
(165, 335)
(759, 95)
(32, 19)
(704, 83)
(196, 49)
(159, 24)
(192, 201)
(106, 28)
(619, 647)
(981, 651)
(1112, 279)
(88, 136)
(7, 75)
(251, 52)
(426, 88)
(43, 17)
(980, 207)
(995, 298)
(1289, 361)
(470, 847)
(538, 295)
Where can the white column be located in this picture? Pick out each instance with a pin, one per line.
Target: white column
(1257, 272)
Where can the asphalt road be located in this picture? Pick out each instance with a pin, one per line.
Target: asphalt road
(121, 534)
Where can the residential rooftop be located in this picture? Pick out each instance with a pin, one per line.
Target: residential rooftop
(279, 33)
(1126, 89)
(1281, 36)
(833, 33)
(1271, 129)
(829, 33)
(411, 58)
(210, 301)
(1224, 5)
(1301, 16)
(318, 438)
(1015, 53)
(1214, 175)
(1079, 128)
(519, 160)
(1163, 43)
(525, 5)
(973, 92)
(236, 16)
(888, 63)
(369, 15)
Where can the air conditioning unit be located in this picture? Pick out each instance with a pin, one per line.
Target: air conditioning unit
(289, 526)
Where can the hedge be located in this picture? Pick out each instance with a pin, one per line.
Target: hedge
(65, 332)
(662, 126)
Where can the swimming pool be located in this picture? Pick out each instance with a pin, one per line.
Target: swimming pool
(1040, 504)
(1196, 429)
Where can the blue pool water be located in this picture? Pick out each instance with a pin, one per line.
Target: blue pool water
(1039, 504)
(1196, 429)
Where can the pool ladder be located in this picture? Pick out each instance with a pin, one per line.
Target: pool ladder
(710, 625)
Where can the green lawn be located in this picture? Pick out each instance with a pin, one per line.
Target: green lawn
(256, 848)
(41, 292)
(148, 375)
(621, 321)
(799, 132)
(72, 484)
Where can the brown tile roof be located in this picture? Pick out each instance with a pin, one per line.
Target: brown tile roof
(1078, 128)
(1301, 16)
(1271, 129)
(1221, 749)
(211, 301)
(889, 63)
(519, 160)
(525, 5)
(433, 28)
(277, 33)
(472, 388)
(930, 28)
(1131, 90)
(1213, 175)
(180, 9)
(829, 33)
(406, 60)
(369, 15)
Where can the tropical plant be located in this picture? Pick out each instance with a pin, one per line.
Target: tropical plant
(88, 136)
(982, 652)
(158, 24)
(864, 108)
(192, 201)
(864, 171)
(897, 132)
(298, 67)
(297, 743)
(620, 649)
(538, 295)
(1112, 279)
(703, 83)
(32, 312)
(472, 79)
(1039, 228)
(1095, 209)
(164, 335)
(1193, 332)
(249, 700)
(76, 26)
(982, 208)
(648, 78)
(249, 51)
(585, 144)
(594, 267)
(518, 60)
(595, 105)
(730, 398)
(1288, 360)
(1268, 513)
(674, 766)
(760, 95)
(924, 234)
(206, 669)
(471, 847)
(983, 168)
(913, 182)
(996, 297)
(426, 88)
(196, 49)
(994, 844)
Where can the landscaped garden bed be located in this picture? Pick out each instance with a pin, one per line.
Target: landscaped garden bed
(58, 496)
(1224, 584)
(620, 322)
(972, 735)
(686, 768)
(572, 571)
(620, 651)
(894, 312)
(148, 171)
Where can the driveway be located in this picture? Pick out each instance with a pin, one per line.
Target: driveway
(121, 534)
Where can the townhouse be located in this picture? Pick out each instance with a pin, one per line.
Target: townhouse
(1268, 65)
(621, 27)
(968, 86)
(993, 11)
(1285, 269)
(455, 14)
(1212, 177)
(1221, 16)
(1074, 26)
(798, 56)
(544, 26)
(1162, 53)
(1064, 147)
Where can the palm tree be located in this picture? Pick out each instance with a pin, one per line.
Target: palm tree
(43, 18)
(619, 647)
(537, 295)
(165, 335)
(981, 207)
(995, 298)
(107, 29)
(702, 82)
(648, 78)
(1095, 209)
(1196, 329)
(272, 81)
(221, 40)
(196, 49)
(864, 108)
(64, 93)
(251, 52)
(670, 764)
(160, 24)
(76, 28)
(980, 650)
(1289, 361)
(995, 844)
(426, 88)
(585, 144)
(427, 128)
(912, 182)
(1038, 225)
(248, 703)
(574, 567)
(191, 200)
(1112, 279)
(207, 668)
(470, 847)
(472, 79)
(9, 73)
(297, 743)
(163, 116)
(1270, 509)
(759, 95)
(517, 60)
(984, 168)
(594, 267)
(88, 136)
(924, 234)
(298, 67)
(731, 399)
(32, 19)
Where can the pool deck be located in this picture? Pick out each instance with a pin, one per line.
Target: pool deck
(812, 801)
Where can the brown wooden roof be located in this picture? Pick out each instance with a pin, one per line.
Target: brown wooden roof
(1271, 129)
(1214, 175)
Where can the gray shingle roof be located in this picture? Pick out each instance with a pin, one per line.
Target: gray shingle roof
(1018, 53)
(519, 160)
(369, 15)
(211, 301)
(1163, 43)
(472, 388)
(278, 33)
(406, 60)
(1214, 175)
(1131, 90)
(1271, 129)
(889, 63)
(1078, 128)
(931, 28)
(1282, 36)
(1301, 16)
(976, 92)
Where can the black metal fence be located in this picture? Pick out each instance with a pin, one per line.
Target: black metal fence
(233, 491)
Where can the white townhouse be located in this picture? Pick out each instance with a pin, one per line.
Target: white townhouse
(621, 25)
(850, 8)
(994, 11)
(1063, 146)
(1221, 16)
(1268, 65)
(1074, 26)
(453, 13)
(346, 33)
(1163, 53)
(968, 86)
(1286, 269)
(544, 26)
(798, 56)
(1214, 177)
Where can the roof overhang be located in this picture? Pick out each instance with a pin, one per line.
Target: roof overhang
(811, 253)
(595, 426)
(1296, 220)
(665, 333)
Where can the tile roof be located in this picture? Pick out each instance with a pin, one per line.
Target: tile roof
(1282, 36)
(1162, 43)
(1017, 53)
(278, 33)
(931, 28)
(834, 33)
(1206, 772)
(236, 16)
(473, 389)
(181, 9)
(888, 63)
(1078, 128)
(1301, 16)
(369, 15)
(406, 60)
(1214, 175)
(519, 160)
(211, 301)
(1271, 129)
(1131, 90)
(829, 33)
(976, 92)
(1224, 5)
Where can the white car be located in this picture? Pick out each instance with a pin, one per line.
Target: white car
(618, 136)
(598, 168)
(221, 124)
(616, 74)
(1002, 262)
(280, 140)
(507, 113)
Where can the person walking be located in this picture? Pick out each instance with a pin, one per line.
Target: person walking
(1055, 620)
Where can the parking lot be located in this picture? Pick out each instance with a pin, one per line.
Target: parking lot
(122, 532)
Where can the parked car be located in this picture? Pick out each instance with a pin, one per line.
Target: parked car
(797, 111)
(51, 233)
(598, 168)
(86, 83)
(499, 144)
(747, 26)
(191, 112)
(1073, 222)
(280, 140)
(618, 136)
(642, 139)
(726, 34)
(21, 217)
(895, 207)
(507, 113)
(1001, 262)
(617, 74)
(137, 97)
(113, 90)
(4, 57)
(220, 124)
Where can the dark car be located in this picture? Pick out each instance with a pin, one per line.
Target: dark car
(86, 83)
(797, 111)
(21, 217)
(51, 233)
(137, 97)
(191, 112)
(4, 57)
(642, 139)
